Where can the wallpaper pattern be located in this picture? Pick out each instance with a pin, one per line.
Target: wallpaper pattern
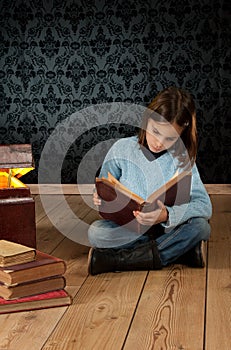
(58, 57)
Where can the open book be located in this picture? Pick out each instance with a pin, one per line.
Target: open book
(118, 202)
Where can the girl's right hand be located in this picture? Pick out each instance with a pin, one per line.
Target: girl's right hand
(96, 199)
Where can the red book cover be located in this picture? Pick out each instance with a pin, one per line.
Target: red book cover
(41, 301)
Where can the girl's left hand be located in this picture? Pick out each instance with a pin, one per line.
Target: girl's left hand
(153, 217)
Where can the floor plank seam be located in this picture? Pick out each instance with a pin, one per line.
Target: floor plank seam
(206, 294)
(63, 315)
(135, 309)
(53, 330)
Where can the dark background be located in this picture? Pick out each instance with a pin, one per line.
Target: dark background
(59, 57)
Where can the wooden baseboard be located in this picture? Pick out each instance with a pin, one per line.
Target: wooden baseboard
(67, 189)
(218, 188)
(85, 189)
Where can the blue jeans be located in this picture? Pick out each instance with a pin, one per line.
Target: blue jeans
(171, 245)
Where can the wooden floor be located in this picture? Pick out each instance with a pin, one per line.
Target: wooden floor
(175, 308)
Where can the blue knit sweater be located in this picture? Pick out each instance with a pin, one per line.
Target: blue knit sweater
(126, 161)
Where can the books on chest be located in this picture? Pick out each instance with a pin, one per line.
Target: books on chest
(30, 279)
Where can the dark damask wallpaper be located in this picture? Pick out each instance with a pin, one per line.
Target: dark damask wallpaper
(59, 57)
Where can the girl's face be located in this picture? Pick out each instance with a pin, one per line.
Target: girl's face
(161, 136)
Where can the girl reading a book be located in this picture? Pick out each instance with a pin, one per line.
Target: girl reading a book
(167, 141)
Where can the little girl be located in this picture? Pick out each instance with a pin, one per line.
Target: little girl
(167, 141)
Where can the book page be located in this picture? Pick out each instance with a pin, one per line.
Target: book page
(124, 189)
(116, 185)
(170, 183)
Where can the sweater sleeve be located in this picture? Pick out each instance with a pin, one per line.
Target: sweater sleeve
(198, 206)
(111, 164)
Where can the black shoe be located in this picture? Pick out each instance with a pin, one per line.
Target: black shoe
(195, 257)
(143, 256)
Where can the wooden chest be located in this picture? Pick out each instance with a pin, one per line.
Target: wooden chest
(17, 207)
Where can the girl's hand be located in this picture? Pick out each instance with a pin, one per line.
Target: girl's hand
(154, 217)
(96, 199)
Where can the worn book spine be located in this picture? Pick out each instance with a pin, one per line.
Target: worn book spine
(33, 287)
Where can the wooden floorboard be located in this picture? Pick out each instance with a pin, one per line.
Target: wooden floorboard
(101, 313)
(175, 308)
(170, 314)
(218, 317)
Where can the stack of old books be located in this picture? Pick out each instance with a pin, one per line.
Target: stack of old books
(30, 279)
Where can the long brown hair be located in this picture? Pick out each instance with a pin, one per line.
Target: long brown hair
(174, 105)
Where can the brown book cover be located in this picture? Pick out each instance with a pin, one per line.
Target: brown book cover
(43, 266)
(118, 202)
(40, 301)
(12, 253)
(31, 288)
